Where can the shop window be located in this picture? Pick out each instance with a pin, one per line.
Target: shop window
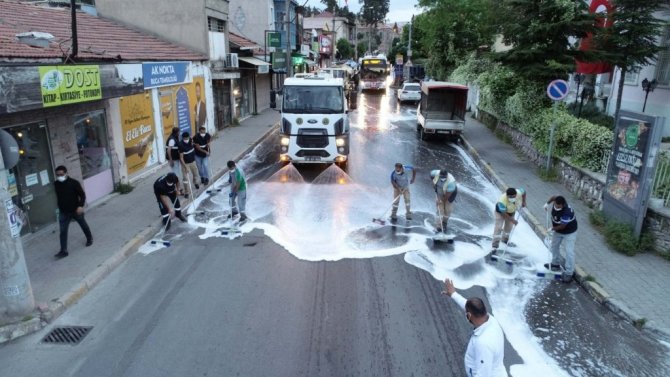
(92, 143)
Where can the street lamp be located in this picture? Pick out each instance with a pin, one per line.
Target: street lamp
(648, 86)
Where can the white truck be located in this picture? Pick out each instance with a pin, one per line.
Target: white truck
(442, 109)
(314, 121)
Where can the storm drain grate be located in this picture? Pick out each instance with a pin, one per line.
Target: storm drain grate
(67, 335)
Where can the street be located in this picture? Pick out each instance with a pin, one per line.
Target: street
(312, 287)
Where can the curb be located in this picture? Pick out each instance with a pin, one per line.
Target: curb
(581, 276)
(43, 314)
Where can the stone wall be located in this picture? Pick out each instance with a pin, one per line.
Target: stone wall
(585, 184)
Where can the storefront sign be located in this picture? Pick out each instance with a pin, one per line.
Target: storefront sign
(631, 168)
(137, 127)
(44, 177)
(263, 69)
(325, 44)
(62, 85)
(278, 60)
(166, 73)
(274, 39)
(11, 185)
(12, 216)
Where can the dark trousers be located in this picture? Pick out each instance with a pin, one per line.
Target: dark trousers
(165, 212)
(64, 222)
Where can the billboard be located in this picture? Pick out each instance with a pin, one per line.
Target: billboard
(183, 106)
(63, 85)
(631, 169)
(138, 131)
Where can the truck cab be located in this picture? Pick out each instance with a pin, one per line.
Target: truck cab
(314, 121)
(441, 109)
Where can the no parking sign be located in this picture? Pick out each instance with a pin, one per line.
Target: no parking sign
(557, 89)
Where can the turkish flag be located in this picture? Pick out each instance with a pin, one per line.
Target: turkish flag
(605, 9)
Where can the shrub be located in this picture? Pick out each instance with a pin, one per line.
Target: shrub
(124, 188)
(621, 238)
(597, 219)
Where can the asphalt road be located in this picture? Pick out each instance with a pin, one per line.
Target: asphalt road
(260, 305)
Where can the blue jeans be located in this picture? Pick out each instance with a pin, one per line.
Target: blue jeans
(238, 201)
(203, 166)
(64, 222)
(569, 240)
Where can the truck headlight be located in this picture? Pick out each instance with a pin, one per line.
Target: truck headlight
(284, 141)
(340, 142)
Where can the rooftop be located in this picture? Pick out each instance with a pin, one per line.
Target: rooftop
(99, 39)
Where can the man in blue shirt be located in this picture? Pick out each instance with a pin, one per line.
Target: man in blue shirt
(400, 181)
(564, 227)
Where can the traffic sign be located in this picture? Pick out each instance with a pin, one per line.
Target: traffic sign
(557, 89)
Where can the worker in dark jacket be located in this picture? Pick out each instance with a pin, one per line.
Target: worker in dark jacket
(71, 200)
(165, 189)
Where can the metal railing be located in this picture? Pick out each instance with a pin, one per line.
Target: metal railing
(661, 187)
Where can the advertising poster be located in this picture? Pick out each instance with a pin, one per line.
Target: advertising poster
(630, 148)
(183, 106)
(137, 126)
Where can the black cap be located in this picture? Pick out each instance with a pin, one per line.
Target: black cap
(443, 173)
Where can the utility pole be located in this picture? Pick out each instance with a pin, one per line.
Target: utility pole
(289, 60)
(409, 43)
(16, 294)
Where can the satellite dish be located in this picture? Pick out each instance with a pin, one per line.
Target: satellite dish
(9, 149)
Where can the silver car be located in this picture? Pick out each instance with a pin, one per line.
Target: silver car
(409, 92)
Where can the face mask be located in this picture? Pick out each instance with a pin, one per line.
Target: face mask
(442, 179)
(186, 140)
(170, 184)
(512, 200)
(61, 178)
(557, 209)
(202, 134)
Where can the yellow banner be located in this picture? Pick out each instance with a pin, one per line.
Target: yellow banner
(62, 85)
(137, 125)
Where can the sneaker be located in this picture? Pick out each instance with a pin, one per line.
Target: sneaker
(243, 217)
(394, 217)
(408, 216)
(494, 251)
(61, 254)
(553, 267)
(567, 278)
(182, 218)
(438, 230)
(89, 242)
(197, 186)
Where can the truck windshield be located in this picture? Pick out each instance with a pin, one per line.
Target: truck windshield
(313, 100)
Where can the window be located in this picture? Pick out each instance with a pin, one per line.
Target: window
(214, 24)
(92, 143)
(663, 62)
(632, 76)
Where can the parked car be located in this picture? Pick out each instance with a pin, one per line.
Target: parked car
(409, 91)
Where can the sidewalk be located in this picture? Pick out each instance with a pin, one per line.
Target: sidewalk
(633, 287)
(120, 224)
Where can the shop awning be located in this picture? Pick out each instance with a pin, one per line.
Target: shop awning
(253, 61)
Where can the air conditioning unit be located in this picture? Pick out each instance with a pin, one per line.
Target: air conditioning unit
(232, 61)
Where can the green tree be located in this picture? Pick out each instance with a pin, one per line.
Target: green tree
(632, 39)
(344, 48)
(539, 33)
(451, 30)
(373, 12)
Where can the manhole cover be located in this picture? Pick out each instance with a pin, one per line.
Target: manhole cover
(67, 335)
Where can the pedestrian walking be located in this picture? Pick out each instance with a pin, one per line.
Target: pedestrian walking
(446, 190)
(505, 211)
(165, 189)
(238, 190)
(71, 200)
(201, 141)
(189, 169)
(564, 228)
(172, 152)
(486, 348)
(400, 181)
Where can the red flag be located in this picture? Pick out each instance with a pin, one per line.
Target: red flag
(585, 44)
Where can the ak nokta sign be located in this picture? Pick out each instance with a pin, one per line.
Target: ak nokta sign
(63, 85)
(160, 74)
(558, 89)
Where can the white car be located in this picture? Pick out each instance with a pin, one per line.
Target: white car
(409, 92)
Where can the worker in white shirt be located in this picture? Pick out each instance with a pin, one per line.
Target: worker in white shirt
(486, 349)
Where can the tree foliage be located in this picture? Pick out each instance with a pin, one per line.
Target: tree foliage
(373, 12)
(540, 33)
(344, 49)
(452, 29)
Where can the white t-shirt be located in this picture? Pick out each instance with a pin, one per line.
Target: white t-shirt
(486, 349)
